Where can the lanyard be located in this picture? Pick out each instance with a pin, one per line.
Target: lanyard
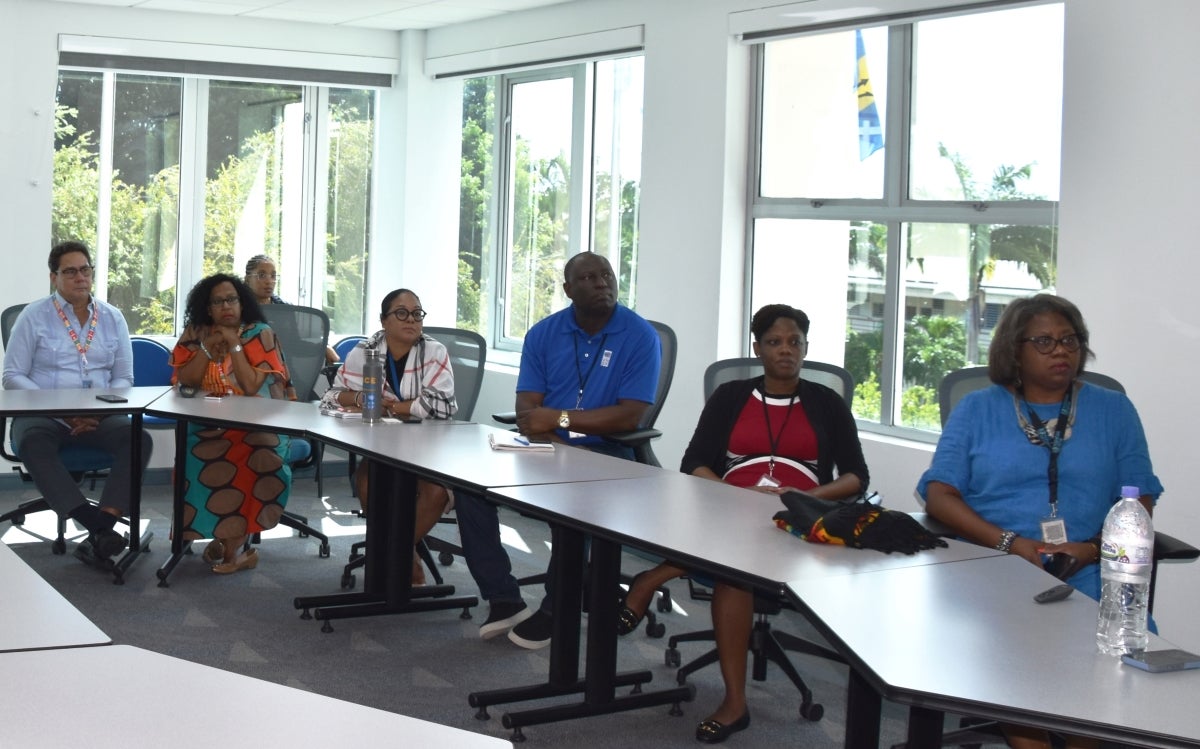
(772, 438)
(1053, 444)
(395, 376)
(82, 348)
(583, 381)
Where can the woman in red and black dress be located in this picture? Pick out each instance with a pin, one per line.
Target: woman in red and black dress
(774, 433)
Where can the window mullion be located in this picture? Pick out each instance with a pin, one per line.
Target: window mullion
(193, 155)
(104, 206)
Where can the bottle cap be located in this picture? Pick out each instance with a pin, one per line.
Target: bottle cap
(1130, 492)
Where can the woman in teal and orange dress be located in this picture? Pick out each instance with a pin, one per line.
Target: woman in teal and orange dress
(237, 481)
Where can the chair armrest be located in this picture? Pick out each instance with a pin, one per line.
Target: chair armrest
(634, 438)
(506, 417)
(330, 371)
(1171, 548)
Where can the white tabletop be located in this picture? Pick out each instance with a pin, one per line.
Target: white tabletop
(170, 702)
(287, 417)
(460, 454)
(969, 637)
(688, 519)
(33, 615)
(76, 401)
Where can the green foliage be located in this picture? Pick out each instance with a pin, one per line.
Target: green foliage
(919, 408)
(933, 347)
(868, 399)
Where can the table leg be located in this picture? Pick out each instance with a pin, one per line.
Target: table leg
(863, 706)
(178, 546)
(138, 543)
(924, 728)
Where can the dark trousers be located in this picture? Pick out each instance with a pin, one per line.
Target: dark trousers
(37, 440)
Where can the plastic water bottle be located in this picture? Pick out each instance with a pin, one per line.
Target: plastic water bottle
(1126, 556)
(372, 409)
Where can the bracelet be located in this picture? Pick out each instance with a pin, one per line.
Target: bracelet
(358, 399)
(1006, 541)
(1095, 541)
(205, 350)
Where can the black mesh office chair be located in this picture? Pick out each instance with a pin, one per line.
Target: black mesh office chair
(766, 644)
(953, 387)
(303, 335)
(468, 354)
(83, 463)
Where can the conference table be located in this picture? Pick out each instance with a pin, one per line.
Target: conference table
(687, 520)
(969, 638)
(85, 402)
(456, 454)
(35, 616)
(172, 702)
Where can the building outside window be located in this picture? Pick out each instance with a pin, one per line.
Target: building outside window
(906, 192)
(550, 167)
(171, 178)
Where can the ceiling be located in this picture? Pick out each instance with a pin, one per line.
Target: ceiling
(395, 15)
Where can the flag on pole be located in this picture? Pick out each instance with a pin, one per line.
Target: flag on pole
(870, 134)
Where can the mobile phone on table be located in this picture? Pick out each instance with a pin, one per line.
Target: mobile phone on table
(1158, 661)
(109, 398)
(409, 419)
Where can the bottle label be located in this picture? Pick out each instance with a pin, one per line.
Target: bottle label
(1125, 553)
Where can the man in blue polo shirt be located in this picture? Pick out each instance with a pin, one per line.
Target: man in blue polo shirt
(587, 371)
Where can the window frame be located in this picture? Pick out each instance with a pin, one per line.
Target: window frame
(895, 209)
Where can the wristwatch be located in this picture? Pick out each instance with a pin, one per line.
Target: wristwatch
(564, 420)
(237, 348)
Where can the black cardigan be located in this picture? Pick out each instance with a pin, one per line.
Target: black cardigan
(831, 420)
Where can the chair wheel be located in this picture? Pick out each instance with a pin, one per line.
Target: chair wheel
(347, 581)
(655, 629)
(59, 547)
(323, 551)
(445, 558)
(812, 712)
(672, 658)
(663, 604)
(18, 520)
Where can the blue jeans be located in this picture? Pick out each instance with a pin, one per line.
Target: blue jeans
(487, 561)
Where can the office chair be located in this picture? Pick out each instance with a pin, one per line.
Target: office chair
(955, 385)
(766, 645)
(468, 354)
(303, 335)
(83, 463)
(639, 440)
(152, 366)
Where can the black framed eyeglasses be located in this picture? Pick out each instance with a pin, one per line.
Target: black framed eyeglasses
(229, 301)
(402, 314)
(83, 270)
(1045, 344)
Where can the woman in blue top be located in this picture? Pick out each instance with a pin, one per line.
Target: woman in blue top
(990, 479)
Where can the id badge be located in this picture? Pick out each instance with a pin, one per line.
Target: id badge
(87, 383)
(768, 480)
(1054, 530)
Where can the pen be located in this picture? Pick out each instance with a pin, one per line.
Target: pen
(521, 440)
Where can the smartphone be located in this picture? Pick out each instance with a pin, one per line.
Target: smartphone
(409, 419)
(112, 398)
(1063, 565)
(1158, 661)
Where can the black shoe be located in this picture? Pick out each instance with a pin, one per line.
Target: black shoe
(107, 544)
(533, 633)
(628, 619)
(504, 615)
(714, 732)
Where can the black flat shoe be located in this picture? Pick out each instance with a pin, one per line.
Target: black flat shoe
(714, 732)
(628, 620)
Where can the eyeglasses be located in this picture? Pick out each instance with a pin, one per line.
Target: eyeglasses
(1046, 344)
(262, 275)
(229, 301)
(83, 270)
(402, 314)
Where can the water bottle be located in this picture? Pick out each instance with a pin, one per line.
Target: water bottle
(372, 403)
(1126, 556)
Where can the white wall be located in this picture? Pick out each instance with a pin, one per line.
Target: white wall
(1129, 188)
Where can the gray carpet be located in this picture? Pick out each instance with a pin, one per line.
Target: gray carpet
(422, 665)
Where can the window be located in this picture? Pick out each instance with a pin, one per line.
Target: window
(160, 214)
(904, 212)
(561, 177)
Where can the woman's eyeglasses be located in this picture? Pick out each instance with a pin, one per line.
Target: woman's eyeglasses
(402, 314)
(262, 275)
(83, 270)
(1046, 344)
(229, 301)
